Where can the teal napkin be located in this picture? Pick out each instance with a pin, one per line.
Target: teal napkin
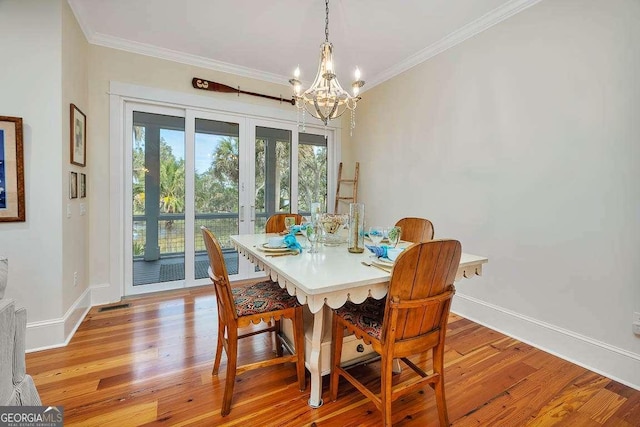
(379, 251)
(292, 243)
(298, 228)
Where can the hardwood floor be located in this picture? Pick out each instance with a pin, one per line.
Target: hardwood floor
(150, 364)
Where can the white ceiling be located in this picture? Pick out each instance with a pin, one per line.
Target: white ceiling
(268, 39)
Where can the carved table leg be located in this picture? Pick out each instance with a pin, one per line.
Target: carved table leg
(315, 396)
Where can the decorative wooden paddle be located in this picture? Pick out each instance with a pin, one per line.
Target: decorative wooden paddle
(218, 87)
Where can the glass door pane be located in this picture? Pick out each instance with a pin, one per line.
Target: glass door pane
(273, 158)
(158, 199)
(312, 172)
(216, 192)
(241, 170)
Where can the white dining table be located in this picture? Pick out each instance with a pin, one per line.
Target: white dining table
(326, 280)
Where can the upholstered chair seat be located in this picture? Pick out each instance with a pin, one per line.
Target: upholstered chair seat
(367, 316)
(262, 297)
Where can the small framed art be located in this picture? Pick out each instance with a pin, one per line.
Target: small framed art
(11, 170)
(83, 185)
(73, 185)
(78, 132)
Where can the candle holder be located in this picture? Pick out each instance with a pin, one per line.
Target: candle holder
(356, 228)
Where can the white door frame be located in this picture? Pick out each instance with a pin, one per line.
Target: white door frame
(120, 158)
(129, 289)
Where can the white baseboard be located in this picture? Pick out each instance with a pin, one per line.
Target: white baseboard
(607, 360)
(55, 333)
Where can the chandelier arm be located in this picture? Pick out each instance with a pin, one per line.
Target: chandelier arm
(334, 108)
(318, 112)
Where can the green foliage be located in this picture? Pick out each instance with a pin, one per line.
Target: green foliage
(312, 176)
(138, 248)
(172, 176)
(139, 170)
(217, 188)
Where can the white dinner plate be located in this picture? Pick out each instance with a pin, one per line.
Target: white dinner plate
(381, 261)
(266, 248)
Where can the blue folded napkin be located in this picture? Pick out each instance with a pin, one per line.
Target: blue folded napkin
(291, 242)
(298, 228)
(379, 251)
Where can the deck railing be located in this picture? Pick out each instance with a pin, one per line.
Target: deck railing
(171, 232)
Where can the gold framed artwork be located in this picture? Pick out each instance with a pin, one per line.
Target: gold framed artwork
(73, 185)
(78, 132)
(12, 207)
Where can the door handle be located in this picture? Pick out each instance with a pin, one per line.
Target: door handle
(253, 213)
(241, 213)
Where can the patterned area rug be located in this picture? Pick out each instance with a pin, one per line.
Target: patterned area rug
(171, 272)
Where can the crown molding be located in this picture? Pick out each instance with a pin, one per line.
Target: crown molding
(184, 58)
(475, 27)
(86, 29)
(168, 54)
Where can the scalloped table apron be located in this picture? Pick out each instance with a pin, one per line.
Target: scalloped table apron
(326, 280)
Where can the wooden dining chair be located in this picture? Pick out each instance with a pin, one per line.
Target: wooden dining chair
(410, 321)
(275, 223)
(242, 306)
(415, 229)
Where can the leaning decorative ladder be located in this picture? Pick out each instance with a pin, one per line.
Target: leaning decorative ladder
(354, 187)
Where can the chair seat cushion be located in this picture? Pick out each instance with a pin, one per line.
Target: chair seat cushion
(366, 316)
(261, 298)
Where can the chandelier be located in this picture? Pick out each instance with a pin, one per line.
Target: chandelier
(325, 99)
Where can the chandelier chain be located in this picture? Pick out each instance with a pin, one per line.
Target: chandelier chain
(326, 21)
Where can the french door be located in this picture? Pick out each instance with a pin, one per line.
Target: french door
(190, 168)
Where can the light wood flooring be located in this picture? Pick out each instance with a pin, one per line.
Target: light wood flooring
(150, 364)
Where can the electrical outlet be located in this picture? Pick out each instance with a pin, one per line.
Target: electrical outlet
(75, 278)
(68, 210)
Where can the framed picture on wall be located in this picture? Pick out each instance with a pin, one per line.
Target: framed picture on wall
(73, 185)
(83, 185)
(11, 170)
(78, 134)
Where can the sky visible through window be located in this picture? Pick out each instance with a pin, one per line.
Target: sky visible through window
(204, 147)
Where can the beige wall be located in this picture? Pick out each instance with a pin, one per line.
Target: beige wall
(30, 88)
(75, 243)
(523, 143)
(47, 73)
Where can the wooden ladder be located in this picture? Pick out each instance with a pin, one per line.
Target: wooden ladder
(354, 186)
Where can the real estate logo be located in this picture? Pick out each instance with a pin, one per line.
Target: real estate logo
(31, 416)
